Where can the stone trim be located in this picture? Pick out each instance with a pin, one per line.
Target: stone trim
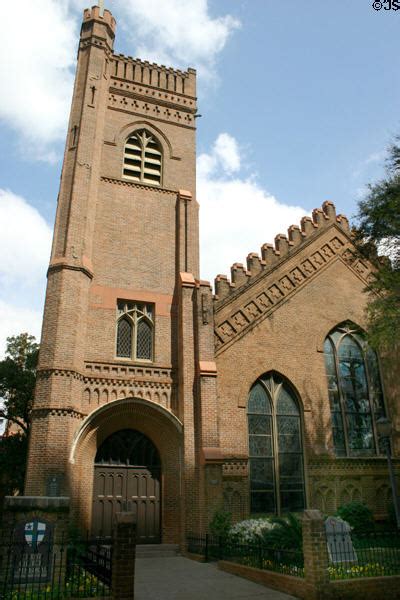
(187, 279)
(207, 368)
(185, 195)
(36, 502)
(58, 265)
(213, 455)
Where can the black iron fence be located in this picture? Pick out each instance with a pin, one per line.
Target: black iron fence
(260, 556)
(55, 569)
(367, 555)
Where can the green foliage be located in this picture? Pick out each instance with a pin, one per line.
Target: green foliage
(17, 379)
(221, 523)
(287, 533)
(82, 585)
(379, 227)
(13, 451)
(358, 515)
(17, 385)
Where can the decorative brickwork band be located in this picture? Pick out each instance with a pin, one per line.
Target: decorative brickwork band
(279, 284)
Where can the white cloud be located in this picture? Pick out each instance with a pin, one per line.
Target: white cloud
(237, 216)
(14, 321)
(39, 42)
(41, 38)
(177, 32)
(224, 155)
(25, 241)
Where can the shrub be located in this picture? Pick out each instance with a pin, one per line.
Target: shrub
(221, 523)
(358, 515)
(250, 531)
(286, 533)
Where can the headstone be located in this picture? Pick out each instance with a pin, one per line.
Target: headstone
(340, 545)
(54, 485)
(32, 551)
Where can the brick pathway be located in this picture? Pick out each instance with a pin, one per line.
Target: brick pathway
(178, 578)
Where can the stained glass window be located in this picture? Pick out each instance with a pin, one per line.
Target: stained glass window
(142, 158)
(135, 330)
(275, 447)
(355, 391)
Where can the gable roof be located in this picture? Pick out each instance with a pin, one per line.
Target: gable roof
(282, 270)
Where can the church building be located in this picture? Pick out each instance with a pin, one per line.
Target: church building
(154, 394)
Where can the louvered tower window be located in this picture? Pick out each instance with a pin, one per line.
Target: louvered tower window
(143, 158)
(135, 330)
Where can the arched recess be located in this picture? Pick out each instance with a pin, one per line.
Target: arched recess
(125, 132)
(164, 431)
(127, 476)
(276, 449)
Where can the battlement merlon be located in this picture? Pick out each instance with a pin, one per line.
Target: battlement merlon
(283, 245)
(98, 29)
(93, 14)
(142, 72)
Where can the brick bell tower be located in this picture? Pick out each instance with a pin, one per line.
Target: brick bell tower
(127, 339)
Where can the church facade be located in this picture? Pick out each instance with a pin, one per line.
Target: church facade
(156, 396)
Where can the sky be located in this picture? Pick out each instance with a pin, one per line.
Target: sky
(299, 101)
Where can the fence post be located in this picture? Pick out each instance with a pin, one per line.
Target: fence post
(315, 553)
(260, 556)
(206, 550)
(123, 558)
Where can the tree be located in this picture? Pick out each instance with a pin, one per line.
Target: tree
(17, 384)
(378, 232)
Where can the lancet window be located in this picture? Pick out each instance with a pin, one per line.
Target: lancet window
(275, 447)
(355, 391)
(135, 330)
(142, 158)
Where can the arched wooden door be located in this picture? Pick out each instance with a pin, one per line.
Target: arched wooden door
(127, 476)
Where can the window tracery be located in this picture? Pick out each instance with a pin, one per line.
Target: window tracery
(275, 447)
(135, 328)
(355, 391)
(143, 158)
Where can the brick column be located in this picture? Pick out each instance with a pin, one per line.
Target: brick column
(123, 559)
(315, 553)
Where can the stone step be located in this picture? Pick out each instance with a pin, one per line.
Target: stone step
(156, 550)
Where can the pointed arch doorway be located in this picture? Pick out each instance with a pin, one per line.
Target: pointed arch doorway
(127, 476)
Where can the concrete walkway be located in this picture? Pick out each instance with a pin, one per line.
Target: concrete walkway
(178, 578)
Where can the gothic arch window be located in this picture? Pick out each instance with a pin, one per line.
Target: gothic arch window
(355, 391)
(275, 447)
(143, 158)
(128, 447)
(135, 330)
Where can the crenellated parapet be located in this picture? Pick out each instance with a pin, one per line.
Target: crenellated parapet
(152, 91)
(158, 76)
(283, 246)
(93, 14)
